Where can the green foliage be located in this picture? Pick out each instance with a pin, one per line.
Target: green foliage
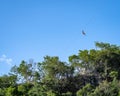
(37, 90)
(107, 89)
(7, 81)
(51, 93)
(85, 91)
(113, 74)
(2, 92)
(22, 89)
(67, 94)
(94, 72)
(11, 91)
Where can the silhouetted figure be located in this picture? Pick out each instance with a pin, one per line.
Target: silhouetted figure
(83, 32)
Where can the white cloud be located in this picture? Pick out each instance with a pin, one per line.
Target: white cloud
(5, 59)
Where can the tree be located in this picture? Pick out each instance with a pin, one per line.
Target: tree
(86, 90)
(94, 72)
(25, 72)
(107, 89)
(7, 81)
(11, 91)
(56, 74)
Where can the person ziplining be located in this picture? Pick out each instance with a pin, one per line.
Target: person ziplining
(86, 25)
(83, 32)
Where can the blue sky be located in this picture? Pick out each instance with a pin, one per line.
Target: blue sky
(36, 28)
